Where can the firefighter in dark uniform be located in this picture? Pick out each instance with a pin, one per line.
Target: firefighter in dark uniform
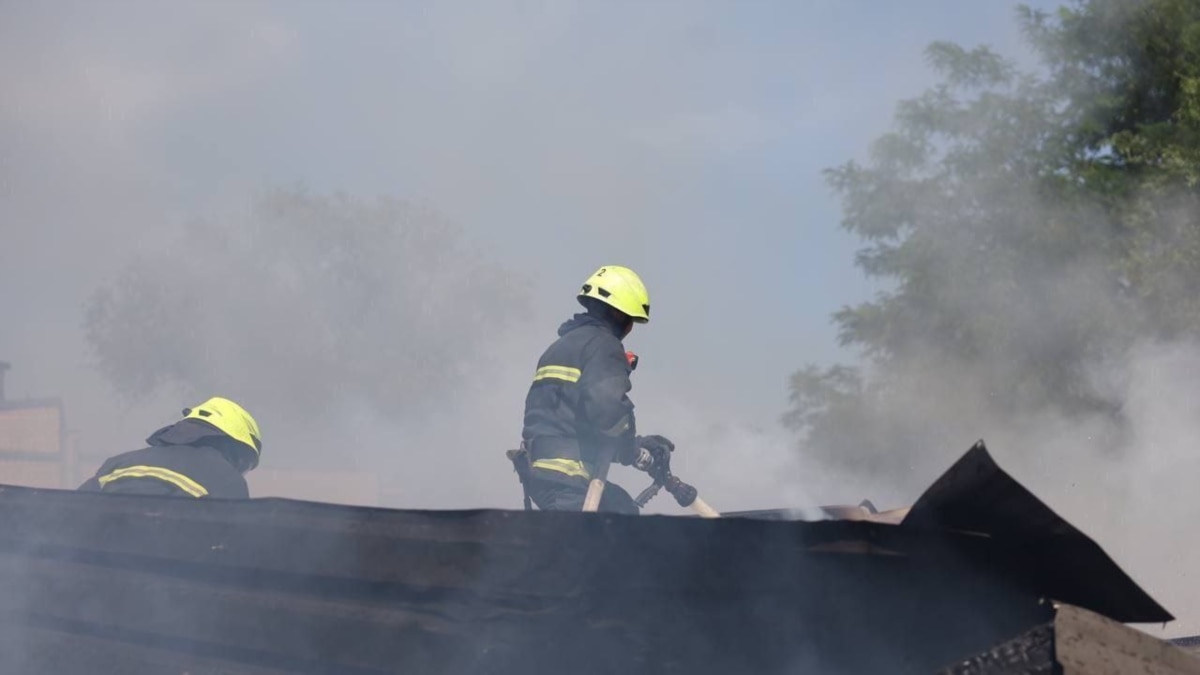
(578, 405)
(206, 454)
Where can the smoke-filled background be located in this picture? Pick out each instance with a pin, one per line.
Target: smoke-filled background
(364, 221)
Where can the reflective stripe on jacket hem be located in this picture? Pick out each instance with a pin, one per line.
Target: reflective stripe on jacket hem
(571, 467)
(166, 475)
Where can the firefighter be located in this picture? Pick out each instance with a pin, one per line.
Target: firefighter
(205, 454)
(578, 405)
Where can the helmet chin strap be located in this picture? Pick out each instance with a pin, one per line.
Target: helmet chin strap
(618, 319)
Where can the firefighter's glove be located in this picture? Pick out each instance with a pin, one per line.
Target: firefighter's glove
(653, 450)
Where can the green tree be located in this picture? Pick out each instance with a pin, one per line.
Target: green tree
(1030, 228)
(306, 307)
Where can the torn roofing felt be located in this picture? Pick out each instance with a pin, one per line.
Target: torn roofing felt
(976, 495)
(123, 584)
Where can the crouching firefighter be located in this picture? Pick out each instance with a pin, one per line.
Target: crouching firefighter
(578, 409)
(205, 454)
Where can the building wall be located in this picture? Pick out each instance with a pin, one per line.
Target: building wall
(31, 429)
(32, 451)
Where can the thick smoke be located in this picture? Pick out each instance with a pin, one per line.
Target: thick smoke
(375, 335)
(326, 317)
(1139, 501)
(557, 138)
(1054, 324)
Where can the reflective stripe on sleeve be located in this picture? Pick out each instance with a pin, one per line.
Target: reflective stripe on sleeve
(557, 373)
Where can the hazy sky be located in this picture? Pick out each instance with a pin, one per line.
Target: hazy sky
(683, 138)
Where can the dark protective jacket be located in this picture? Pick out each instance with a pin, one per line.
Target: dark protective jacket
(578, 404)
(187, 459)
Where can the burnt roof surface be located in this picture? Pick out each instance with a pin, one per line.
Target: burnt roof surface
(1079, 641)
(976, 496)
(107, 583)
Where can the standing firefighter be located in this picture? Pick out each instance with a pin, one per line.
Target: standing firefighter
(577, 412)
(206, 454)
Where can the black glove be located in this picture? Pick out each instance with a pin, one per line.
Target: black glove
(656, 449)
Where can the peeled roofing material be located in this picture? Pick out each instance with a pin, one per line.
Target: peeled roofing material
(112, 584)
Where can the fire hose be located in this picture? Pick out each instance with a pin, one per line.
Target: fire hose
(685, 495)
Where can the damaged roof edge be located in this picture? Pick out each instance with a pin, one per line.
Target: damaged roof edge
(976, 496)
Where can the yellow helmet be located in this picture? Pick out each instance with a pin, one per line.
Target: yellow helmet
(232, 419)
(621, 288)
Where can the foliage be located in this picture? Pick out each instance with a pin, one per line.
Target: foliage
(1032, 227)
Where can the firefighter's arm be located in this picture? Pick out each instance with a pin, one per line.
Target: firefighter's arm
(605, 401)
